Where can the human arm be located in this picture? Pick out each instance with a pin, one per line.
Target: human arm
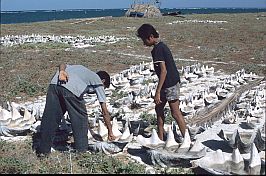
(63, 76)
(107, 121)
(162, 77)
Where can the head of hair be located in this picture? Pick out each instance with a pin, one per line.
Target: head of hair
(146, 30)
(104, 75)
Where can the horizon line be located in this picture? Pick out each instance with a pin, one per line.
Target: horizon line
(129, 8)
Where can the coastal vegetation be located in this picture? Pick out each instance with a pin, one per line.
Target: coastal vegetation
(26, 69)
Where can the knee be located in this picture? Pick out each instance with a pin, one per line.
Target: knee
(159, 112)
(177, 115)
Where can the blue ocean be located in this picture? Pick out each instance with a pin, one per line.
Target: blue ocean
(10, 17)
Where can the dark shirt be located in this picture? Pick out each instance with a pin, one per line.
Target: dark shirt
(161, 52)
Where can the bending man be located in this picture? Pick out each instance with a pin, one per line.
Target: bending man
(65, 93)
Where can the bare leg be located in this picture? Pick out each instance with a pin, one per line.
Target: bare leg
(177, 115)
(160, 118)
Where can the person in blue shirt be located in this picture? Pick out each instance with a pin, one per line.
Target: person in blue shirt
(168, 88)
(65, 93)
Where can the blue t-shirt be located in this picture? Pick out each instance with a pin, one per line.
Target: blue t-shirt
(161, 53)
(82, 80)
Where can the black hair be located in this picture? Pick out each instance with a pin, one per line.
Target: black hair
(145, 31)
(104, 75)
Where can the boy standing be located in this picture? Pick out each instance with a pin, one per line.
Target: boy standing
(168, 88)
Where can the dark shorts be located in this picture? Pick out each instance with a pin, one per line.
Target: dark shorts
(170, 93)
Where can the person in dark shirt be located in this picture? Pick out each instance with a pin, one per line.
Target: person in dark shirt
(168, 88)
(65, 93)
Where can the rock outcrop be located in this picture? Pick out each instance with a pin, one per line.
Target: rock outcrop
(146, 9)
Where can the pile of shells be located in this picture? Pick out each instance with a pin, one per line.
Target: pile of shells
(75, 41)
(208, 97)
(168, 153)
(16, 120)
(218, 162)
(196, 21)
(244, 141)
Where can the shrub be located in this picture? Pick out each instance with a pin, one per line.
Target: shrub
(102, 163)
(10, 165)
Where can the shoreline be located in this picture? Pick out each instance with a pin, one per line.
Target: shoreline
(181, 16)
(57, 15)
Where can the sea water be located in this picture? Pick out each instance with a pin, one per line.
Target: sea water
(9, 17)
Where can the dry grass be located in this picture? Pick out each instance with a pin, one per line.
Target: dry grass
(18, 158)
(239, 43)
(26, 69)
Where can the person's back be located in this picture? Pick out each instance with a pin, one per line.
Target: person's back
(65, 94)
(79, 78)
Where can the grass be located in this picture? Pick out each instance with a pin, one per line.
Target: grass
(239, 40)
(18, 158)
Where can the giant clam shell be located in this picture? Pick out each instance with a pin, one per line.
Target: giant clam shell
(126, 135)
(5, 117)
(137, 127)
(226, 163)
(115, 128)
(13, 122)
(107, 147)
(152, 142)
(171, 153)
(193, 131)
(166, 158)
(186, 144)
(236, 141)
(100, 132)
(170, 142)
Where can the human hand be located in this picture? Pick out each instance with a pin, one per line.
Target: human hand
(111, 137)
(157, 98)
(63, 76)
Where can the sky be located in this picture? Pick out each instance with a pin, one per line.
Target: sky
(13, 5)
